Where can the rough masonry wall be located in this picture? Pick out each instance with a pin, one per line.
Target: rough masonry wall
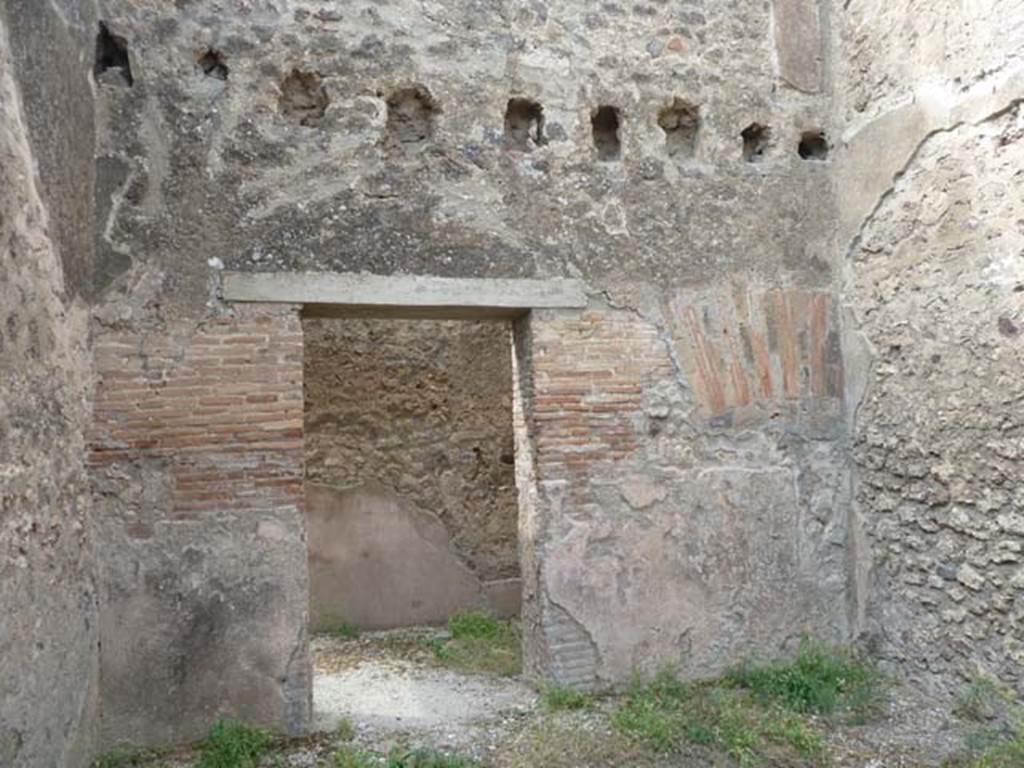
(289, 156)
(423, 407)
(196, 459)
(691, 490)
(421, 411)
(672, 155)
(48, 629)
(930, 179)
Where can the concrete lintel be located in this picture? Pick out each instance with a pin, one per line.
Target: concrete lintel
(404, 295)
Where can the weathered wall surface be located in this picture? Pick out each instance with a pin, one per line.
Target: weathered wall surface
(196, 457)
(377, 560)
(726, 502)
(930, 195)
(48, 652)
(701, 395)
(376, 138)
(232, 169)
(424, 409)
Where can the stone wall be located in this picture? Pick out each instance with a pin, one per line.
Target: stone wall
(646, 498)
(674, 157)
(789, 407)
(48, 630)
(415, 415)
(931, 211)
(196, 459)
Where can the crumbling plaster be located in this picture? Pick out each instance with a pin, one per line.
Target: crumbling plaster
(928, 179)
(812, 360)
(49, 679)
(420, 411)
(714, 266)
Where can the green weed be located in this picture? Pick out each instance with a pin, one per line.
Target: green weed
(995, 746)
(1009, 754)
(984, 699)
(557, 698)
(346, 631)
(820, 680)
(481, 643)
(667, 714)
(474, 625)
(351, 757)
(231, 744)
(345, 729)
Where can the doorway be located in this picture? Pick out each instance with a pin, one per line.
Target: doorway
(411, 504)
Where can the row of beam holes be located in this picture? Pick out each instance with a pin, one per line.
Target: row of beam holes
(411, 112)
(680, 122)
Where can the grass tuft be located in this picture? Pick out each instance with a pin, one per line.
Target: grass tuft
(557, 698)
(984, 699)
(345, 729)
(999, 742)
(474, 625)
(481, 643)
(820, 680)
(231, 744)
(350, 757)
(345, 631)
(667, 715)
(1009, 754)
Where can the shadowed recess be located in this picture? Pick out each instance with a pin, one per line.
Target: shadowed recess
(411, 115)
(303, 97)
(680, 121)
(605, 123)
(524, 124)
(813, 145)
(756, 140)
(112, 53)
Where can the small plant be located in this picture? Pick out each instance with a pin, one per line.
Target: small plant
(984, 699)
(999, 741)
(557, 698)
(346, 631)
(350, 757)
(480, 643)
(666, 715)
(820, 680)
(231, 744)
(474, 625)
(345, 730)
(1007, 753)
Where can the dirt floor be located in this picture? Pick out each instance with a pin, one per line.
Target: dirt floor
(391, 692)
(392, 689)
(387, 682)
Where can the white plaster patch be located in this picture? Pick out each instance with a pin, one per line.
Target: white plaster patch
(641, 492)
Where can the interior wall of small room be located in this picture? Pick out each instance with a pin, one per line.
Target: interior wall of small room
(410, 483)
(691, 413)
(930, 227)
(48, 608)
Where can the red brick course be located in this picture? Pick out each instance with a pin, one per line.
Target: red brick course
(590, 372)
(220, 406)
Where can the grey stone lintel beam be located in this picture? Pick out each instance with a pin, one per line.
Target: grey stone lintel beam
(408, 296)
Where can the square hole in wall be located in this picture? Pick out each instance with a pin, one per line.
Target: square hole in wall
(605, 123)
